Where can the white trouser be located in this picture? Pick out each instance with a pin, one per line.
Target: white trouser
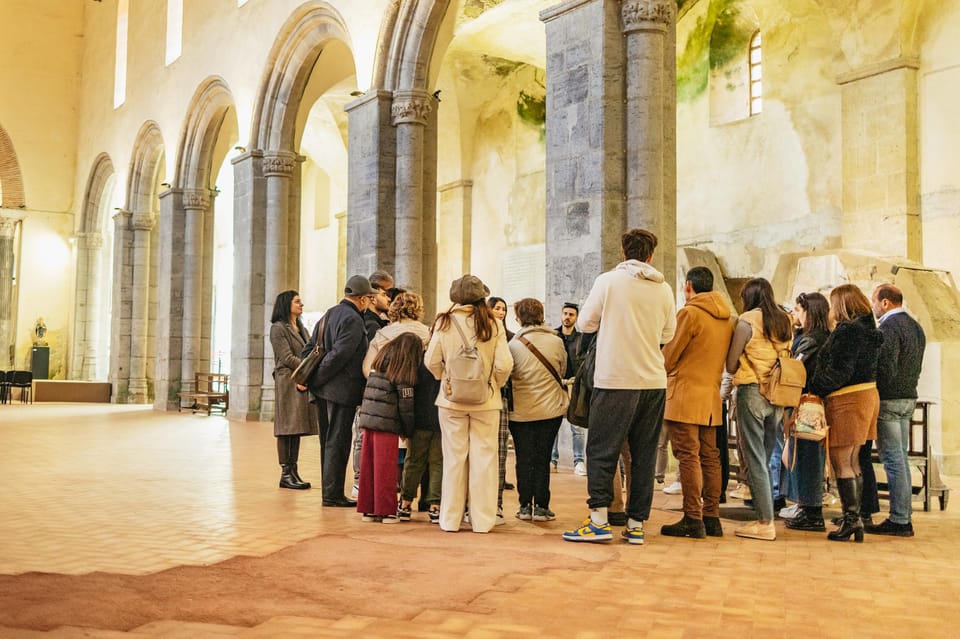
(469, 462)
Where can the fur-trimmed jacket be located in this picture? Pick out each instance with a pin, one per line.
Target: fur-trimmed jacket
(387, 407)
(848, 357)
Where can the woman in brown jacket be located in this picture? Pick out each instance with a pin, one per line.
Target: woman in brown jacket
(293, 413)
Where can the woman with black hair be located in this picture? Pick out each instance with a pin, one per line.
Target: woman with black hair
(812, 313)
(763, 333)
(293, 414)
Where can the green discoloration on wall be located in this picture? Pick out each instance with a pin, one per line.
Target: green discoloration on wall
(474, 8)
(501, 66)
(719, 37)
(532, 109)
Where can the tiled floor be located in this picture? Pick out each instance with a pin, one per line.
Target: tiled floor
(129, 490)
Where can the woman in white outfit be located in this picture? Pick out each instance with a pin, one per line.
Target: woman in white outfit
(468, 431)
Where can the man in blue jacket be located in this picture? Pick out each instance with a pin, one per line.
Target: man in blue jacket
(898, 370)
(337, 383)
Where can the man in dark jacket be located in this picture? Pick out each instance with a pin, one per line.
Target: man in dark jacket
(571, 342)
(337, 383)
(898, 370)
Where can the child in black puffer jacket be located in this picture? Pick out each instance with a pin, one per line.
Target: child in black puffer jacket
(386, 414)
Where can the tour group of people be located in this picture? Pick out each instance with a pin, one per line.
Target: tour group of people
(453, 390)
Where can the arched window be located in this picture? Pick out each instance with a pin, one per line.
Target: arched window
(756, 75)
(174, 30)
(120, 70)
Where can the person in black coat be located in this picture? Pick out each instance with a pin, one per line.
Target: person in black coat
(337, 383)
(812, 313)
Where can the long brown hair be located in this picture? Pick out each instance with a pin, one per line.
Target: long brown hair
(776, 323)
(482, 320)
(399, 360)
(847, 302)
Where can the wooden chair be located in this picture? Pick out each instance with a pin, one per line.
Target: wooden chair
(211, 393)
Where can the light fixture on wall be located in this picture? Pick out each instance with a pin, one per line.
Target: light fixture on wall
(216, 189)
(165, 185)
(241, 149)
(356, 94)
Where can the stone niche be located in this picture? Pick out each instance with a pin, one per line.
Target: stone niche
(929, 295)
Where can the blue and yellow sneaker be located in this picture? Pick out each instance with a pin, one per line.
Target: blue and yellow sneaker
(633, 535)
(589, 531)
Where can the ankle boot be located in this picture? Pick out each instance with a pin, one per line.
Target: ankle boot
(850, 499)
(287, 480)
(293, 457)
(686, 527)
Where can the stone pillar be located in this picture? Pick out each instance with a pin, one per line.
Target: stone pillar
(170, 275)
(206, 286)
(278, 169)
(411, 109)
(881, 166)
(585, 165)
(249, 251)
(121, 309)
(429, 236)
(342, 258)
(89, 246)
(645, 27)
(196, 205)
(8, 227)
(371, 192)
(292, 253)
(138, 389)
(455, 226)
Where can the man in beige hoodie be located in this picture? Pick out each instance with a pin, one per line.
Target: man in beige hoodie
(694, 363)
(635, 313)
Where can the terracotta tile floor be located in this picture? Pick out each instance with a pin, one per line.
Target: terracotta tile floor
(130, 490)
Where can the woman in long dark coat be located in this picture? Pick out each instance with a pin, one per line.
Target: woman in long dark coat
(293, 414)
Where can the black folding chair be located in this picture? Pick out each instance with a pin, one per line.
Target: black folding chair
(6, 381)
(24, 381)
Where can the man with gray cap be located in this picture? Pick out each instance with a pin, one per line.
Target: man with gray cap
(337, 383)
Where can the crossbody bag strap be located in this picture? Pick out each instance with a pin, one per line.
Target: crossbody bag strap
(543, 360)
(319, 343)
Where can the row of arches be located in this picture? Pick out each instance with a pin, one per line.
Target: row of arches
(167, 299)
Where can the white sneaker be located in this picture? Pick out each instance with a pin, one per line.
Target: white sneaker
(500, 520)
(790, 512)
(673, 489)
(757, 530)
(354, 493)
(742, 491)
(580, 469)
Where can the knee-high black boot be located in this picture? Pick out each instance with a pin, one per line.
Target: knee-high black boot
(287, 479)
(849, 489)
(293, 458)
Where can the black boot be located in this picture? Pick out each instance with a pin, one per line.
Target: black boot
(292, 458)
(810, 518)
(287, 478)
(849, 489)
(686, 527)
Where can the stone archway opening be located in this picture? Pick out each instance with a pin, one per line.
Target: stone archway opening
(491, 153)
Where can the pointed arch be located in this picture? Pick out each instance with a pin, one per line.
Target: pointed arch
(408, 39)
(11, 180)
(289, 65)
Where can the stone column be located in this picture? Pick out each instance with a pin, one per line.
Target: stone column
(206, 290)
(278, 169)
(585, 139)
(294, 211)
(429, 236)
(89, 246)
(8, 227)
(455, 217)
(249, 249)
(645, 26)
(879, 125)
(196, 205)
(121, 307)
(342, 258)
(411, 109)
(371, 194)
(138, 389)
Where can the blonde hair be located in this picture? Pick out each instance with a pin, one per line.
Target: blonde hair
(405, 305)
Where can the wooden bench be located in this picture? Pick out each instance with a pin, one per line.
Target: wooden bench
(920, 456)
(211, 393)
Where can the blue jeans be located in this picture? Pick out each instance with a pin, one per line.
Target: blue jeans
(776, 463)
(757, 422)
(576, 441)
(893, 436)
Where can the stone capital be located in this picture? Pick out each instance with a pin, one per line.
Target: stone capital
(279, 163)
(647, 15)
(91, 241)
(121, 218)
(8, 224)
(196, 199)
(411, 107)
(142, 222)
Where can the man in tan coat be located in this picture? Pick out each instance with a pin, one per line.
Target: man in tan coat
(694, 362)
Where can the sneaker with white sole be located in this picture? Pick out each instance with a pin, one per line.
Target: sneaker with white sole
(500, 520)
(354, 492)
(390, 519)
(367, 518)
(741, 492)
(633, 535)
(580, 469)
(757, 530)
(543, 514)
(790, 512)
(673, 489)
(525, 513)
(589, 531)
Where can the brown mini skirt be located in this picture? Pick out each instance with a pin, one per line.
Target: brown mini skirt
(852, 414)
